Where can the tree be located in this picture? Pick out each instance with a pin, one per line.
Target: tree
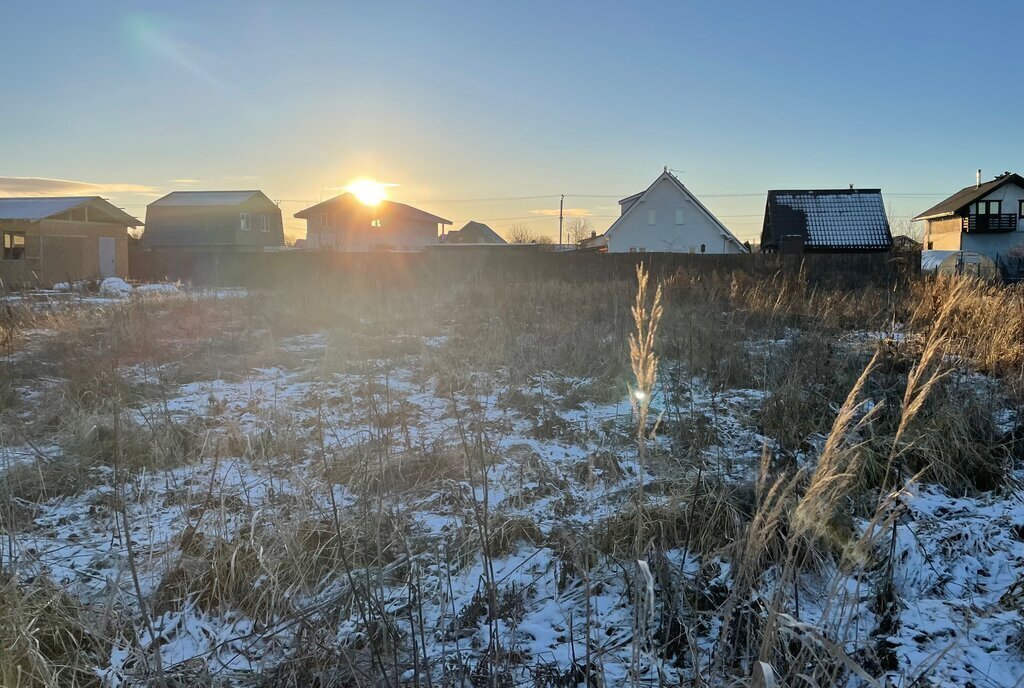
(520, 233)
(577, 229)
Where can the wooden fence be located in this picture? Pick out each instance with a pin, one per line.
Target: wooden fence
(275, 268)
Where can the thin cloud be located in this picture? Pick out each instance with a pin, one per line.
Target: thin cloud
(43, 186)
(567, 212)
(183, 181)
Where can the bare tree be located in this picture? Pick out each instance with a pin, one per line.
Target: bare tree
(577, 229)
(520, 233)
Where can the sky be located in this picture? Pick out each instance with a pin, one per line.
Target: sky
(492, 111)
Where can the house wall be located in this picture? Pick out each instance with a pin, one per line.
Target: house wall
(62, 250)
(354, 232)
(948, 234)
(174, 225)
(634, 232)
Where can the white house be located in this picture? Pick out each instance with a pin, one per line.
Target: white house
(343, 223)
(985, 218)
(666, 218)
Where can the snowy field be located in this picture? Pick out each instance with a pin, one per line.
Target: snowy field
(280, 489)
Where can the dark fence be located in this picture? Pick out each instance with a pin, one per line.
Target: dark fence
(512, 264)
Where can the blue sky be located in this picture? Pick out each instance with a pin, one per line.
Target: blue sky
(471, 100)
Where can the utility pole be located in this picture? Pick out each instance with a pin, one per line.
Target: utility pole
(561, 203)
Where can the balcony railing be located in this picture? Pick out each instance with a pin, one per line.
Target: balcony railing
(1005, 222)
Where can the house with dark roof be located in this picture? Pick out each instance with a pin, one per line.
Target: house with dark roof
(238, 220)
(344, 223)
(473, 233)
(825, 221)
(45, 240)
(985, 218)
(665, 218)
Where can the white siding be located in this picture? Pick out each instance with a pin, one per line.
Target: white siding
(995, 245)
(632, 230)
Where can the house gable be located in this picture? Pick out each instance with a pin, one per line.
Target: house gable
(666, 217)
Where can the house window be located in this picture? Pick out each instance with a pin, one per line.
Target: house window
(703, 248)
(652, 217)
(679, 216)
(245, 222)
(14, 245)
(986, 208)
(1020, 210)
(264, 223)
(376, 223)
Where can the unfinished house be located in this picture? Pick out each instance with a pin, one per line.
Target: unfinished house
(343, 223)
(62, 239)
(239, 220)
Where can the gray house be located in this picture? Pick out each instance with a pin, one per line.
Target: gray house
(221, 219)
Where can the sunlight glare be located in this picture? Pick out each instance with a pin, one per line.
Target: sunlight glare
(367, 191)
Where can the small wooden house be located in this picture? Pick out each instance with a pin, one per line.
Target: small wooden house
(48, 239)
(240, 220)
(343, 223)
(825, 221)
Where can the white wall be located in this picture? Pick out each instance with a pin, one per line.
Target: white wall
(634, 232)
(997, 245)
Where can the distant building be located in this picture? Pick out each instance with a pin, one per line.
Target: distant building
(47, 240)
(825, 221)
(474, 233)
(343, 223)
(985, 218)
(665, 218)
(903, 243)
(213, 219)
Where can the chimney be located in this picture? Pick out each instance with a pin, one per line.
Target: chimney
(977, 182)
(851, 187)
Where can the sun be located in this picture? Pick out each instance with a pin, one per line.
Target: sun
(367, 191)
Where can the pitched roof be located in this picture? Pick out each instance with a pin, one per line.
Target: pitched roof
(635, 200)
(348, 201)
(205, 198)
(33, 208)
(475, 233)
(851, 219)
(969, 194)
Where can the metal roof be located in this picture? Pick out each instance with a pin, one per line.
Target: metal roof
(205, 198)
(33, 208)
(849, 219)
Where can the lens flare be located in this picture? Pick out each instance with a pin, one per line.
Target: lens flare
(368, 191)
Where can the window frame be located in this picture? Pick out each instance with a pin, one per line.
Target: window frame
(652, 217)
(244, 222)
(376, 223)
(976, 206)
(680, 216)
(4, 248)
(264, 223)
(1020, 209)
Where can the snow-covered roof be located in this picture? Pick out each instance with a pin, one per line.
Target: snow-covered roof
(34, 208)
(830, 219)
(205, 198)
